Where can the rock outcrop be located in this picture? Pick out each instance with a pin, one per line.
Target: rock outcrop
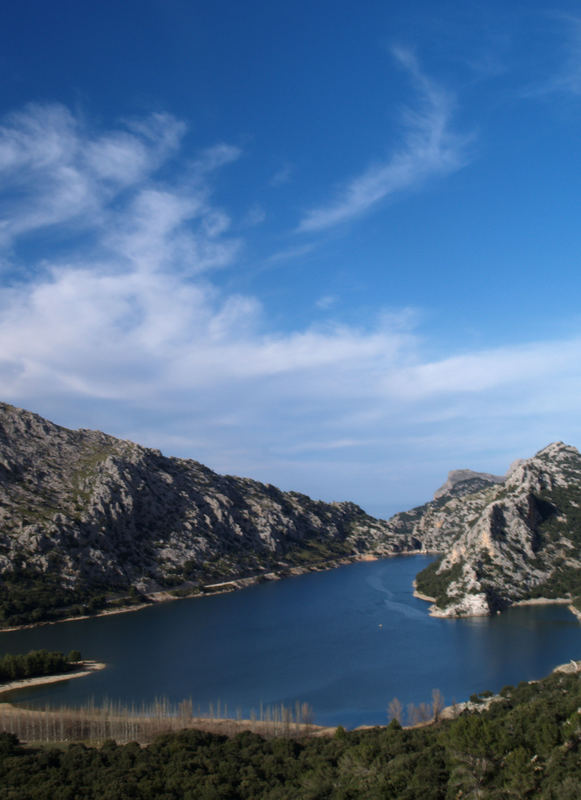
(472, 481)
(508, 542)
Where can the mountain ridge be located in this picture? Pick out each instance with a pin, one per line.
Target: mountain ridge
(91, 514)
(87, 519)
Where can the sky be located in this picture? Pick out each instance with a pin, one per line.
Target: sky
(332, 246)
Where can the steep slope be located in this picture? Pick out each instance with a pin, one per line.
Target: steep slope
(436, 525)
(86, 518)
(83, 514)
(511, 542)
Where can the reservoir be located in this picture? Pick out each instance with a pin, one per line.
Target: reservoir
(345, 641)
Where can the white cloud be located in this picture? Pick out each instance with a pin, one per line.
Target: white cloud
(561, 75)
(290, 253)
(326, 302)
(487, 370)
(215, 157)
(125, 334)
(255, 216)
(430, 148)
(282, 175)
(132, 323)
(55, 172)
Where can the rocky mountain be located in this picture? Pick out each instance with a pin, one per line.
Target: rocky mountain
(466, 481)
(84, 515)
(507, 542)
(434, 526)
(88, 520)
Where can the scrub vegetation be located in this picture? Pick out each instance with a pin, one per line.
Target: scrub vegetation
(527, 744)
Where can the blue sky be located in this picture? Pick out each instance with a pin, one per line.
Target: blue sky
(332, 247)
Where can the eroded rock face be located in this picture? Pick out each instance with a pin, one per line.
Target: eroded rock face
(100, 511)
(510, 542)
(105, 514)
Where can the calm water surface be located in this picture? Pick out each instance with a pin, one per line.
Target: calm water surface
(345, 641)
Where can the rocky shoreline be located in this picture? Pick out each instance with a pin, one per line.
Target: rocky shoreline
(434, 611)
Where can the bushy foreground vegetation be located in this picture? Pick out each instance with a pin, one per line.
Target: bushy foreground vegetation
(36, 663)
(528, 745)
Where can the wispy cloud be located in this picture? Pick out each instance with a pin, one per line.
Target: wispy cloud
(54, 171)
(430, 148)
(326, 302)
(282, 175)
(567, 78)
(490, 370)
(558, 72)
(215, 157)
(290, 253)
(134, 322)
(254, 216)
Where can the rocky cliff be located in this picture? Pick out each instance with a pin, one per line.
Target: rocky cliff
(86, 519)
(84, 515)
(507, 542)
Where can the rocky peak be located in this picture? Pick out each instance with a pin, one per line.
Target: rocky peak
(457, 476)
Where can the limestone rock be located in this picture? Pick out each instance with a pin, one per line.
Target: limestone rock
(103, 513)
(509, 542)
(475, 479)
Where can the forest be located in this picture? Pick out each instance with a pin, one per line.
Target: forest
(36, 663)
(526, 745)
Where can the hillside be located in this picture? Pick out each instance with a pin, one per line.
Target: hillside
(85, 516)
(88, 520)
(508, 542)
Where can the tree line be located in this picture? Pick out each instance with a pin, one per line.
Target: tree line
(36, 663)
(92, 723)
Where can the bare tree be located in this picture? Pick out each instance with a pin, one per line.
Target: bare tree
(413, 714)
(425, 712)
(395, 710)
(437, 703)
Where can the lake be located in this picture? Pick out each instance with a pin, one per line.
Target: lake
(345, 641)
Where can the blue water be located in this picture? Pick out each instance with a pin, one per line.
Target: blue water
(345, 641)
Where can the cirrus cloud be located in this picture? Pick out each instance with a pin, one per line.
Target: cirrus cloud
(430, 148)
(130, 319)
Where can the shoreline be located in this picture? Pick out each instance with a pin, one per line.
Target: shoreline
(533, 601)
(228, 726)
(222, 587)
(237, 584)
(420, 595)
(544, 601)
(87, 668)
